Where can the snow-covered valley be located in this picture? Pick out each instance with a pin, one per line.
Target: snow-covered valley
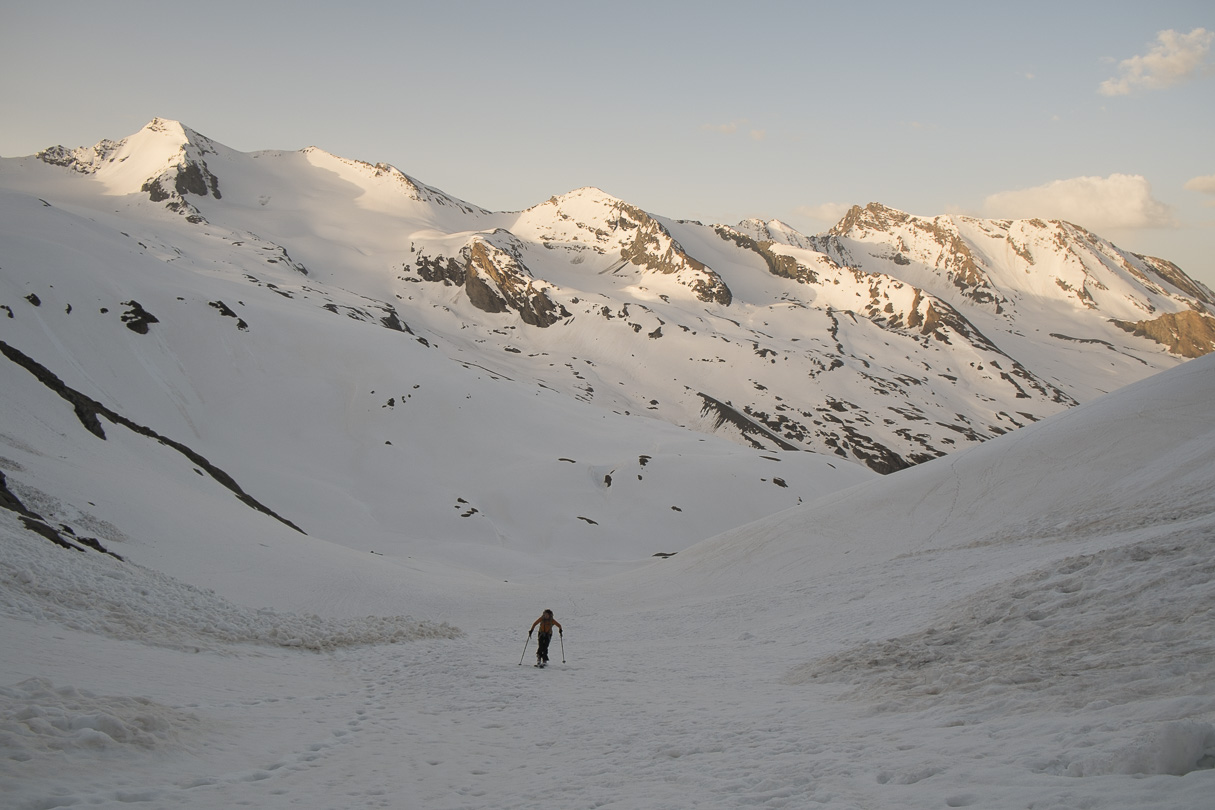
(283, 492)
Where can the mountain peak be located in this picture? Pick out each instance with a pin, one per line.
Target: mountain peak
(590, 195)
(171, 140)
(160, 144)
(168, 127)
(873, 216)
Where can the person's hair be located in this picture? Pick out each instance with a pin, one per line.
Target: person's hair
(548, 613)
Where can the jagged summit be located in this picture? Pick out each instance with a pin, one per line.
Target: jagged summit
(165, 160)
(160, 144)
(1006, 264)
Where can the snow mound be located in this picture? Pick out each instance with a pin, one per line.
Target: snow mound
(1123, 639)
(1122, 623)
(98, 594)
(1173, 749)
(37, 717)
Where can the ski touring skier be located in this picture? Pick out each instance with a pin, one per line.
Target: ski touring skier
(546, 622)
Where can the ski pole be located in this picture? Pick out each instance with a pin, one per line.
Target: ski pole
(562, 637)
(529, 638)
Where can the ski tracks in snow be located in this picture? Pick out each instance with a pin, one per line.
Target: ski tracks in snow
(633, 721)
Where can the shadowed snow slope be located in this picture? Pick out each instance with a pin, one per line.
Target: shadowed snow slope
(1142, 459)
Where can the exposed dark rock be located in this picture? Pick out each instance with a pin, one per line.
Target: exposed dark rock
(495, 281)
(137, 318)
(392, 321)
(154, 190)
(1189, 333)
(227, 312)
(481, 295)
(62, 536)
(779, 264)
(653, 248)
(1174, 275)
(750, 430)
(443, 269)
(224, 309)
(195, 178)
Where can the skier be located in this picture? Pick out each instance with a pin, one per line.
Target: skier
(546, 623)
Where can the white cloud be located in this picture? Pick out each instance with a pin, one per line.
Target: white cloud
(1174, 58)
(758, 134)
(827, 212)
(1096, 203)
(1205, 184)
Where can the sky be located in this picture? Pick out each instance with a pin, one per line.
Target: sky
(1101, 113)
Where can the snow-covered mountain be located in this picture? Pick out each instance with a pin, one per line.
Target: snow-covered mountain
(891, 340)
(293, 449)
(339, 335)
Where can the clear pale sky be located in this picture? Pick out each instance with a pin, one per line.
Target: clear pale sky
(1102, 113)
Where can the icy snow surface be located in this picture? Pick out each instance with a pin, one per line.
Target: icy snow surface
(1030, 623)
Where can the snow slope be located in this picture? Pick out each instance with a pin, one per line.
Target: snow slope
(1025, 624)
(280, 499)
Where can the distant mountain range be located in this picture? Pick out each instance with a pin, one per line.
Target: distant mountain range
(239, 302)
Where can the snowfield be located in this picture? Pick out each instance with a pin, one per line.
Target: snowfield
(1030, 623)
(294, 449)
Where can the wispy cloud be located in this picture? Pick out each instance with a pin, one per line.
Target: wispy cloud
(725, 129)
(1097, 203)
(1204, 184)
(734, 127)
(1172, 59)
